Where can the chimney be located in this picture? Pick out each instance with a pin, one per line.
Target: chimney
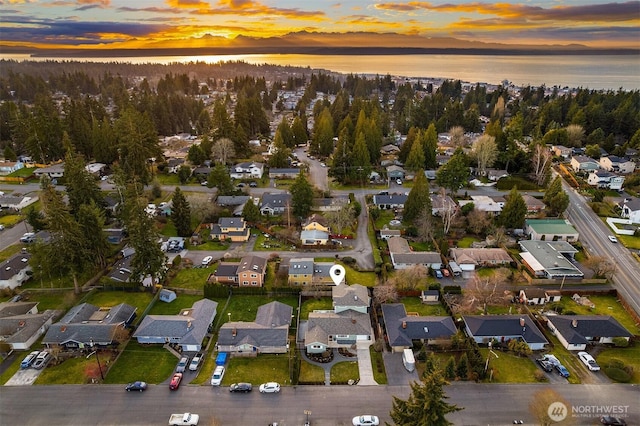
(189, 325)
(404, 324)
(574, 323)
(522, 323)
(234, 332)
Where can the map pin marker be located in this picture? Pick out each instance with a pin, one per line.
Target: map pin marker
(337, 274)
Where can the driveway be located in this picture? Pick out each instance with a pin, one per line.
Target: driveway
(397, 375)
(24, 377)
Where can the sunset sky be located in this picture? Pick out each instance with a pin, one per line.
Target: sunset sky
(195, 23)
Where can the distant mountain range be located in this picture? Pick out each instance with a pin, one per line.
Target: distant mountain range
(352, 43)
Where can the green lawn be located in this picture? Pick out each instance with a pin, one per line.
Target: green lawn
(10, 220)
(108, 299)
(262, 369)
(149, 363)
(271, 243)
(13, 368)
(244, 308)
(7, 252)
(72, 371)
(416, 246)
(193, 278)
(324, 303)
(605, 305)
(310, 372)
(466, 242)
(182, 301)
(630, 241)
(23, 172)
(57, 299)
(344, 371)
(509, 368)
(384, 218)
(209, 244)
(377, 364)
(630, 356)
(413, 304)
(367, 279)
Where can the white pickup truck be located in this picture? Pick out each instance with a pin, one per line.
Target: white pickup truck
(184, 419)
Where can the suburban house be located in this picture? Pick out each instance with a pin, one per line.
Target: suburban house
(502, 328)
(538, 296)
(16, 202)
(430, 174)
(315, 222)
(304, 271)
(115, 235)
(617, 164)
(344, 326)
(15, 270)
(430, 296)
(353, 297)
(269, 333)
(288, 173)
(232, 228)
(389, 149)
(603, 179)
(441, 204)
(275, 204)
(314, 237)
(186, 329)
(121, 270)
(561, 151)
(631, 209)
(534, 205)
(403, 257)
(167, 295)
(8, 167)
(54, 171)
(402, 329)
(234, 202)
(21, 325)
(389, 201)
(495, 175)
(469, 258)
(250, 271)
(247, 170)
(549, 259)
(385, 234)
(575, 332)
(484, 203)
(173, 164)
(551, 230)
(332, 204)
(582, 163)
(202, 171)
(89, 325)
(395, 172)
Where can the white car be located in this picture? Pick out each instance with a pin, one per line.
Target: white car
(1, 227)
(399, 181)
(218, 374)
(612, 239)
(588, 360)
(365, 421)
(270, 387)
(207, 260)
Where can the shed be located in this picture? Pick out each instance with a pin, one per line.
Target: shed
(430, 296)
(167, 295)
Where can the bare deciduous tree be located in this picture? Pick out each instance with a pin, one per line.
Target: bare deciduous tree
(485, 151)
(340, 219)
(489, 290)
(541, 162)
(478, 221)
(458, 139)
(385, 294)
(575, 133)
(408, 279)
(223, 150)
(448, 213)
(424, 225)
(601, 266)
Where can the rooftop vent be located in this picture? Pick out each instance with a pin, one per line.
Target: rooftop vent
(404, 324)
(574, 323)
(522, 323)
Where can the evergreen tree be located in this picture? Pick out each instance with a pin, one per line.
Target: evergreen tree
(219, 177)
(137, 142)
(285, 133)
(181, 214)
(450, 369)
(341, 160)
(418, 200)
(82, 186)
(415, 161)
(250, 211)
(35, 219)
(555, 198)
(462, 370)
(405, 149)
(360, 161)
(280, 156)
(426, 405)
(455, 173)
(429, 141)
(514, 211)
(299, 131)
(91, 219)
(196, 155)
(184, 173)
(301, 196)
(322, 141)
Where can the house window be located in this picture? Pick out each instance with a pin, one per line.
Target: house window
(316, 347)
(254, 282)
(254, 276)
(245, 282)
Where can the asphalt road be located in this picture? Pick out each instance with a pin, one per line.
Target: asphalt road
(330, 406)
(593, 235)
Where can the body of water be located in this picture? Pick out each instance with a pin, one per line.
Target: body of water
(587, 71)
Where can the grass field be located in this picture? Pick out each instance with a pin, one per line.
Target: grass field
(57, 299)
(509, 368)
(384, 218)
(376, 360)
(13, 368)
(413, 304)
(193, 278)
(264, 368)
(149, 363)
(367, 279)
(7, 252)
(245, 308)
(310, 372)
(466, 242)
(630, 356)
(344, 371)
(182, 301)
(108, 299)
(324, 303)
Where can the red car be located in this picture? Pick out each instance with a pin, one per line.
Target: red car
(175, 381)
(446, 272)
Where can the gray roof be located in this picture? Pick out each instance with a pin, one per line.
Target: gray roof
(20, 328)
(313, 235)
(275, 201)
(231, 222)
(350, 295)
(9, 309)
(550, 255)
(284, 171)
(14, 265)
(587, 326)
(403, 329)
(227, 269)
(301, 265)
(633, 204)
(417, 258)
(504, 325)
(323, 324)
(271, 328)
(190, 326)
(390, 199)
(252, 263)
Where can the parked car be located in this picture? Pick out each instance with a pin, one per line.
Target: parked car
(588, 360)
(561, 369)
(1, 227)
(241, 387)
(612, 239)
(437, 273)
(182, 364)
(41, 360)
(218, 374)
(28, 237)
(29, 359)
(365, 420)
(253, 184)
(399, 181)
(136, 386)
(207, 260)
(612, 421)
(270, 387)
(446, 272)
(175, 381)
(195, 362)
(546, 365)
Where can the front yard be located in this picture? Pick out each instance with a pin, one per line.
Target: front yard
(149, 363)
(629, 356)
(262, 369)
(509, 368)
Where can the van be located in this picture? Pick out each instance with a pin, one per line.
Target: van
(408, 360)
(455, 269)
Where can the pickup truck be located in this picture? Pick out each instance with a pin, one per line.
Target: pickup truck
(184, 419)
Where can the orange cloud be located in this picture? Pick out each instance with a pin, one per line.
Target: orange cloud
(188, 4)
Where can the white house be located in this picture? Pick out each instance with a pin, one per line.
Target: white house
(9, 167)
(247, 170)
(604, 179)
(614, 163)
(582, 163)
(15, 270)
(576, 331)
(484, 203)
(631, 209)
(502, 328)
